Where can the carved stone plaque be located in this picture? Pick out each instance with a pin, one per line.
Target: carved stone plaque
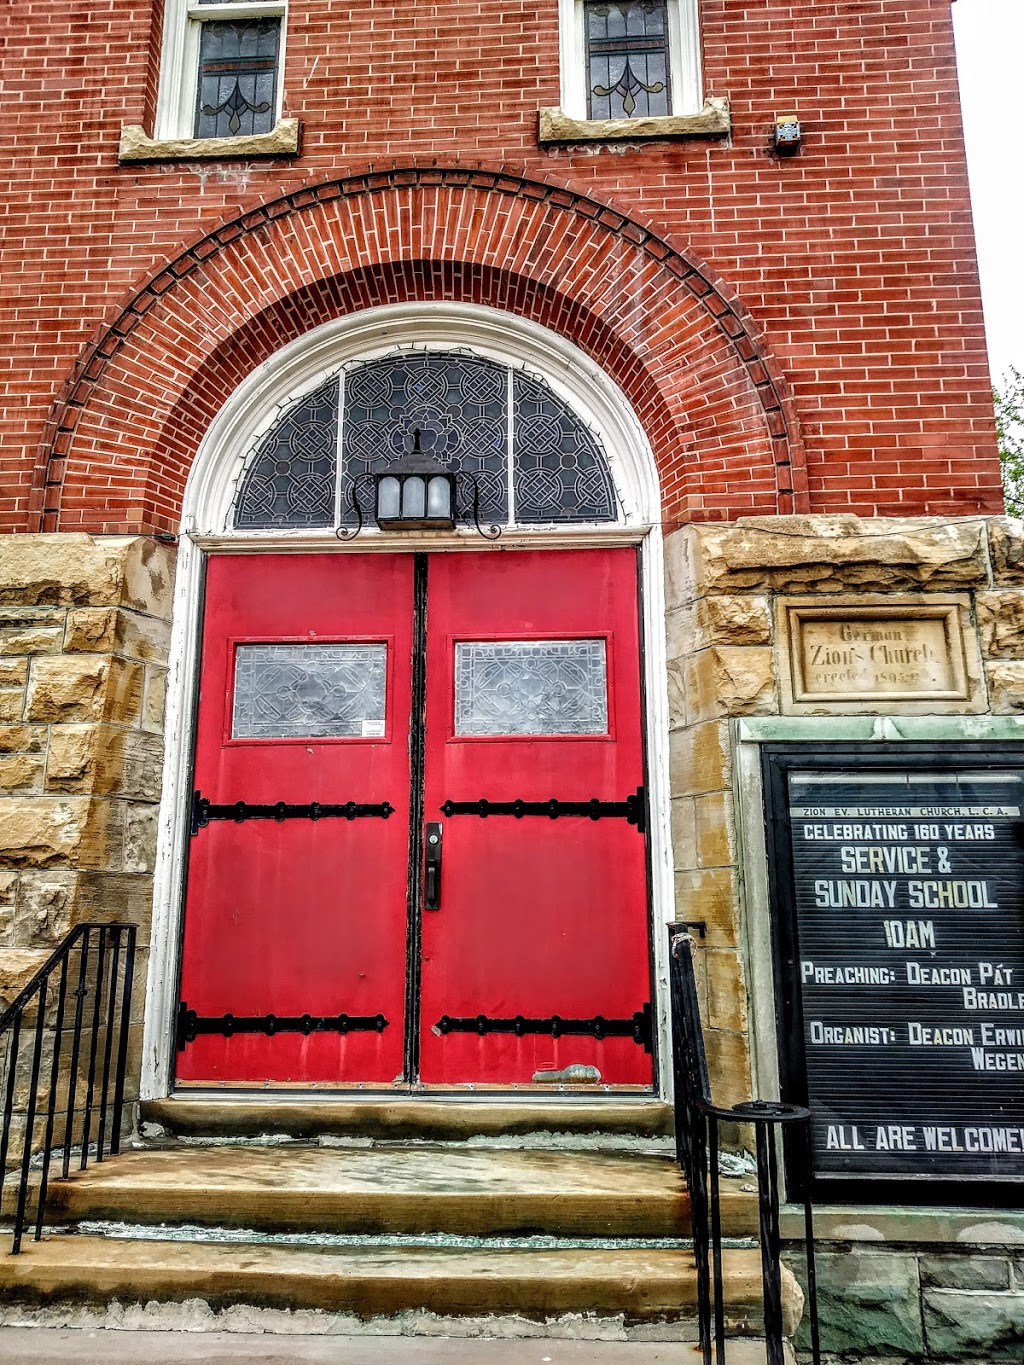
(864, 655)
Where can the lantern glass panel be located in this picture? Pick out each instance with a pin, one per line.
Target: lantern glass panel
(439, 499)
(388, 498)
(414, 497)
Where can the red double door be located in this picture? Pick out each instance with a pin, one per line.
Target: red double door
(417, 847)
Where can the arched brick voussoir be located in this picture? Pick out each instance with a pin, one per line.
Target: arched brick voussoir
(122, 438)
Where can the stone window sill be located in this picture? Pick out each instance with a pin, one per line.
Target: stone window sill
(711, 121)
(136, 145)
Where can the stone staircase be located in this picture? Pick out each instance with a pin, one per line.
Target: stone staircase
(378, 1210)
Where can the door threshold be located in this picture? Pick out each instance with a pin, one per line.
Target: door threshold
(285, 1093)
(396, 1115)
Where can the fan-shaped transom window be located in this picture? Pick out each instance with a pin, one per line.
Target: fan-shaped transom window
(534, 460)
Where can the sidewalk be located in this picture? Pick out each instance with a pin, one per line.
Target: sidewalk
(62, 1346)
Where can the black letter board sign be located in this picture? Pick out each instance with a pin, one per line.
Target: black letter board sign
(898, 906)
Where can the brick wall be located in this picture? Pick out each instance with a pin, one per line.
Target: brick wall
(849, 269)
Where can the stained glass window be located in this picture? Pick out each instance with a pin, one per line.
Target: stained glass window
(236, 93)
(627, 58)
(559, 470)
(291, 479)
(459, 405)
(531, 687)
(474, 415)
(321, 691)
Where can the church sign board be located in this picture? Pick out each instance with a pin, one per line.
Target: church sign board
(898, 908)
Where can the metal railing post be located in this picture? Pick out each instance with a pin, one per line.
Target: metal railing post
(696, 1113)
(112, 971)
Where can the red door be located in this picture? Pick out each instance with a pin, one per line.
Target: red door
(523, 947)
(295, 914)
(540, 939)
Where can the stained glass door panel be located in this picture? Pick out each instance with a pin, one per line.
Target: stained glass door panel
(533, 693)
(294, 955)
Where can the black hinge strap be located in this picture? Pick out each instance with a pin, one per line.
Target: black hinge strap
(633, 810)
(639, 1028)
(191, 1024)
(203, 811)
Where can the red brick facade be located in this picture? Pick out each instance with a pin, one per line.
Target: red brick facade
(799, 334)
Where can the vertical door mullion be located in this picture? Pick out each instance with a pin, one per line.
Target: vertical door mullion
(417, 758)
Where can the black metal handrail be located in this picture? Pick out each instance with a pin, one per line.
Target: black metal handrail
(95, 965)
(697, 1148)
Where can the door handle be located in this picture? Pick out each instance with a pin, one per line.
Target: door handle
(432, 885)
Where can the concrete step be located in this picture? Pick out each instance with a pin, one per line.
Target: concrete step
(440, 1120)
(394, 1188)
(643, 1285)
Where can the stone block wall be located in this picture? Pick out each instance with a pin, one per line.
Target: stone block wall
(722, 585)
(84, 629)
(959, 1301)
(909, 1286)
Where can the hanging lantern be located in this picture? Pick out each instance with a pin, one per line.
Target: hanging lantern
(416, 493)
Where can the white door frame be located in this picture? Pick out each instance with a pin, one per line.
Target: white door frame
(209, 496)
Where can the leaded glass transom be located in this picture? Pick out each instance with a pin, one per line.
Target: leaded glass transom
(309, 691)
(559, 470)
(291, 479)
(459, 405)
(534, 460)
(531, 687)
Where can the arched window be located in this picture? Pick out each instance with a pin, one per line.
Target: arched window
(535, 461)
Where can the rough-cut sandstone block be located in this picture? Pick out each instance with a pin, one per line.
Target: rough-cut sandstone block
(678, 715)
(22, 739)
(731, 620)
(683, 814)
(709, 894)
(21, 772)
(716, 846)
(17, 967)
(1006, 549)
(112, 630)
(24, 630)
(980, 1326)
(1005, 687)
(834, 554)
(731, 681)
(869, 1302)
(699, 759)
(46, 905)
(113, 896)
(12, 704)
(105, 760)
(734, 620)
(678, 569)
(140, 833)
(13, 672)
(8, 895)
(78, 687)
(156, 700)
(70, 570)
(965, 1272)
(1001, 623)
(726, 990)
(728, 1065)
(41, 831)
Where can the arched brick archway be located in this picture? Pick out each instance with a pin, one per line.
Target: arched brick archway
(122, 438)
